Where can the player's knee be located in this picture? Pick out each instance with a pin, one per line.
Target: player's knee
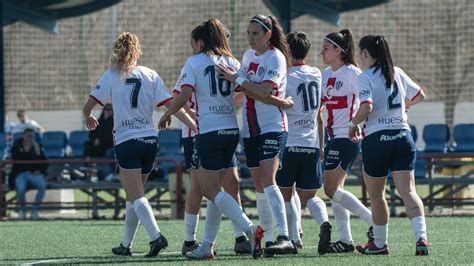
(329, 189)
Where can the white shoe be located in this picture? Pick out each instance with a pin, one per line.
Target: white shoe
(200, 254)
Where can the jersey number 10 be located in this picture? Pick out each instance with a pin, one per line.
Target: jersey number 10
(224, 85)
(309, 95)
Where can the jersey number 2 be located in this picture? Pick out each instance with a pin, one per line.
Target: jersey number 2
(136, 83)
(392, 97)
(309, 96)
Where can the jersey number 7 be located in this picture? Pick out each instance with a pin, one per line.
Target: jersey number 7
(137, 84)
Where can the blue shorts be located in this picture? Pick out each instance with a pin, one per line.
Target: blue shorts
(386, 150)
(189, 152)
(264, 147)
(139, 153)
(300, 165)
(340, 151)
(216, 149)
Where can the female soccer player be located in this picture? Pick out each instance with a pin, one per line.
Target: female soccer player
(230, 183)
(385, 92)
(340, 95)
(263, 73)
(301, 161)
(134, 90)
(218, 133)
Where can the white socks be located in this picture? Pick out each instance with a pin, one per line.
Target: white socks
(236, 229)
(213, 221)
(190, 226)
(147, 218)
(353, 204)
(419, 227)
(380, 235)
(297, 200)
(291, 217)
(318, 210)
(277, 206)
(342, 216)
(230, 208)
(131, 225)
(265, 216)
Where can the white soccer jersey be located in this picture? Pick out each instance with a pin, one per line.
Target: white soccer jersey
(133, 97)
(214, 110)
(340, 95)
(388, 110)
(187, 132)
(304, 86)
(260, 118)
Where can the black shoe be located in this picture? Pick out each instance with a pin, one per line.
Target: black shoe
(341, 247)
(156, 246)
(282, 245)
(324, 238)
(188, 247)
(242, 246)
(122, 251)
(266, 254)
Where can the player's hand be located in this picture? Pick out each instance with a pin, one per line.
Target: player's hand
(321, 154)
(165, 122)
(226, 73)
(354, 133)
(192, 114)
(288, 103)
(91, 122)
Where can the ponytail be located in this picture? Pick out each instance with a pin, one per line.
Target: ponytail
(377, 47)
(277, 39)
(214, 36)
(344, 41)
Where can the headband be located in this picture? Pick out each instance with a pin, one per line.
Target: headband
(261, 23)
(337, 45)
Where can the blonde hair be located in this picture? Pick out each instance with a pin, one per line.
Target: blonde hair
(125, 52)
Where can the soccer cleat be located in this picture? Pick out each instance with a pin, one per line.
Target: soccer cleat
(372, 249)
(340, 247)
(256, 241)
(422, 247)
(200, 253)
(299, 244)
(324, 238)
(242, 247)
(282, 245)
(122, 251)
(370, 239)
(189, 247)
(156, 246)
(266, 254)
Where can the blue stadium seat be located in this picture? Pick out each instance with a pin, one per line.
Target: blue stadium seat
(169, 142)
(54, 144)
(77, 138)
(464, 137)
(436, 137)
(414, 133)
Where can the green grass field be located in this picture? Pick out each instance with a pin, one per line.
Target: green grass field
(89, 242)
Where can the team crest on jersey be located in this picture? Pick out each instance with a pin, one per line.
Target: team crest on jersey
(330, 87)
(252, 70)
(339, 85)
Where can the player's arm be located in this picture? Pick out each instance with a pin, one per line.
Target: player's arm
(420, 96)
(174, 106)
(262, 90)
(354, 130)
(284, 104)
(91, 121)
(320, 122)
(238, 98)
(186, 107)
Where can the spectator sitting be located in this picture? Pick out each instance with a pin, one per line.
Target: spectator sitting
(23, 175)
(101, 141)
(25, 123)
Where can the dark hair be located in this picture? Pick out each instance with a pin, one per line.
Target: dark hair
(344, 40)
(277, 38)
(299, 44)
(214, 36)
(29, 129)
(377, 46)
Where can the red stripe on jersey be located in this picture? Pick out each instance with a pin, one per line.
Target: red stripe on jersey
(352, 107)
(163, 102)
(333, 103)
(197, 113)
(177, 91)
(418, 93)
(97, 100)
(283, 120)
(369, 102)
(300, 64)
(252, 117)
(275, 86)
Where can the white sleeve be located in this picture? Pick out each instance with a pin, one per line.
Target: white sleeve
(364, 89)
(236, 65)
(276, 69)
(160, 93)
(353, 82)
(186, 77)
(412, 88)
(102, 91)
